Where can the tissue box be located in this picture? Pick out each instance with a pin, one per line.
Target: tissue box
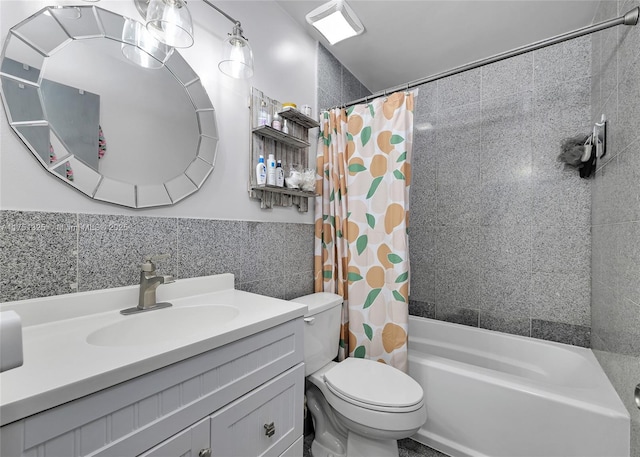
(10, 340)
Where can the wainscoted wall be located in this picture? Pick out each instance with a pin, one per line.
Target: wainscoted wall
(500, 233)
(45, 254)
(615, 302)
(54, 240)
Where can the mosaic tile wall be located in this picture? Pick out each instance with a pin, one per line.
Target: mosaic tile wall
(615, 301)
(45, 254)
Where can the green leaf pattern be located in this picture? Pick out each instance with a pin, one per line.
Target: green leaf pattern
(371, 220)
(371, 298)
(368, 331)
(374, 186)
(365, 135)
(361, 243)
(357, 167)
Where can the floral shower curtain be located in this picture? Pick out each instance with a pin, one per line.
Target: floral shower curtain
(331, 248)
(362, 220)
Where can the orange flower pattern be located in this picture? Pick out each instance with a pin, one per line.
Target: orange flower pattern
(364, 173)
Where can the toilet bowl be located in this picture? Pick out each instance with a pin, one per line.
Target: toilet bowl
(359, 407)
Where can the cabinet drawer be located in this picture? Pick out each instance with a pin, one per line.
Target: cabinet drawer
(295, 450)
(191, 442)
(265, 422)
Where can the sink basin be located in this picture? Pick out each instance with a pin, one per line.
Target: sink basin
(162, 325)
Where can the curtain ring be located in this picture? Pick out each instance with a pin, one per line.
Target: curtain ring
(406, 91)
(385, 95)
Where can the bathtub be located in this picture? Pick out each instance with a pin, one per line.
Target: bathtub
(491, 394)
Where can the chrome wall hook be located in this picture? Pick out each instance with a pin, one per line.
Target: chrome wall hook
(600, 137)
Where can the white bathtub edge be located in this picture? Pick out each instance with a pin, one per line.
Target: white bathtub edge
(444, 445)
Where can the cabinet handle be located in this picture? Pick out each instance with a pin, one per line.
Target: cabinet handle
(637, 396)
(205, 453)
(269, 429)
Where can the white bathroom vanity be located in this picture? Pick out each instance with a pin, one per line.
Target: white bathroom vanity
(220, 373)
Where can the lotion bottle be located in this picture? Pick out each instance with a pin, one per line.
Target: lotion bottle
(279, 174)
(271, 171)
(276, 123)
(261, 172)
(263, 115)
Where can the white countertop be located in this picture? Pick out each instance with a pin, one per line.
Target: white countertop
(60, 366)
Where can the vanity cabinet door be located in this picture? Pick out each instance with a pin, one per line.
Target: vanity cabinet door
(265, 422)
(192, 442)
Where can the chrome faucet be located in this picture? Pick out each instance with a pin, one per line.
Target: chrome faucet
(149, 282)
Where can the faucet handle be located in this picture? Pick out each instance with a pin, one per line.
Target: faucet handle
(149, 261)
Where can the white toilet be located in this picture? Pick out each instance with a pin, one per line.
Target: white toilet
(360, 407)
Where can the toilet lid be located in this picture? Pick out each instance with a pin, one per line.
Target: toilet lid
(374, 384)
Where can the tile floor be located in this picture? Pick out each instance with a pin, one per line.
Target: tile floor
(406, 448)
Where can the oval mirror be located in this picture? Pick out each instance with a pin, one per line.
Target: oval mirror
(122, 119)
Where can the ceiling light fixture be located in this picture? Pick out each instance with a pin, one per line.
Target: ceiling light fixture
(336, 21)
(170, 22)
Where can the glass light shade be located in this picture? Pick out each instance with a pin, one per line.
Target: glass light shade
(169, 21)
(237, 58)
(141, 48)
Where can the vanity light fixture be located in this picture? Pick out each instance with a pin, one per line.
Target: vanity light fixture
(336, 21)
(237, 56)
(141, 48)
(170, 22)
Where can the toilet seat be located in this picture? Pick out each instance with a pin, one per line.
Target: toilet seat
(374, 385)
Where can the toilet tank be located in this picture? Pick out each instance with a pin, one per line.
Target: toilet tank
(321, 329)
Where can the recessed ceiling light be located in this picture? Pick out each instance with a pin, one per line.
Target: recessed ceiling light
(336, 21)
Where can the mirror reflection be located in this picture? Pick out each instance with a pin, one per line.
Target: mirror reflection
(119, 117)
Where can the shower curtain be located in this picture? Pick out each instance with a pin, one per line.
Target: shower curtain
(361, 245)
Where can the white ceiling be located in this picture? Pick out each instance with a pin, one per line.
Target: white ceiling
(408, 40)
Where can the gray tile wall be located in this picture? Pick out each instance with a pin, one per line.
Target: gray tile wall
(336, 84)
(615, 301)
(45, 254)
(500, 233)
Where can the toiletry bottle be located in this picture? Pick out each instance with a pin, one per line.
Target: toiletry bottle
(261, 172)
(263, 114)
(285, 127)
(276, 123)
(271, 171)
(279, 173)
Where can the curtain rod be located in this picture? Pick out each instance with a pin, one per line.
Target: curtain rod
(631, 18)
